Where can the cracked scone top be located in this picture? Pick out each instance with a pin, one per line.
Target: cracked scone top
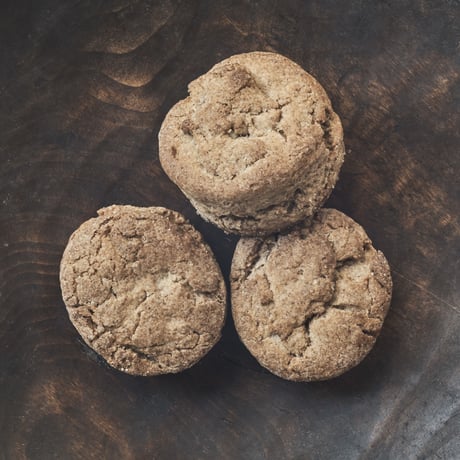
(143, 289)
(309, 305)
(256, 146)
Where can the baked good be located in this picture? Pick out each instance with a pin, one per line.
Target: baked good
(256, 146)
(143, 289)
(310, 304)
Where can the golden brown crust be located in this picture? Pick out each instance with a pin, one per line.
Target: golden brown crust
(143, 289)
(310, 304)
(256, 146)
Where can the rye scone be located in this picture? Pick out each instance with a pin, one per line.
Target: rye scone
(310, 304)
(256, 146)
(143, 289)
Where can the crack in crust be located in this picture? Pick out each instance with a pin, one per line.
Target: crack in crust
(256, 146)
(327, 133)
(143, 289)
(328, 292)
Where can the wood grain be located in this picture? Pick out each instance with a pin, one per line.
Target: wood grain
(84, 86)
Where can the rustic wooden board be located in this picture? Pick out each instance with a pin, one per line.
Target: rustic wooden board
(84, 86)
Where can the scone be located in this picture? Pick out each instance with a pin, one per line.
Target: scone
(256, 146)
(143, 289)
(310, 304)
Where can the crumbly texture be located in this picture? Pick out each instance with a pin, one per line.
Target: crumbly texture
(143, 289)
(310, 304)
(256, 146)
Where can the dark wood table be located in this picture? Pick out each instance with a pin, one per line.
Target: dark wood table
(84, 86)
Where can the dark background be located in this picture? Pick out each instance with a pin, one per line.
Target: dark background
(84, 86)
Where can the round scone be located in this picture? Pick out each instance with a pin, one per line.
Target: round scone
(309, 305)
(143, 289)
(256, 146)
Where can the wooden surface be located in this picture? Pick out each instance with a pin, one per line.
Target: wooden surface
(84, 86)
